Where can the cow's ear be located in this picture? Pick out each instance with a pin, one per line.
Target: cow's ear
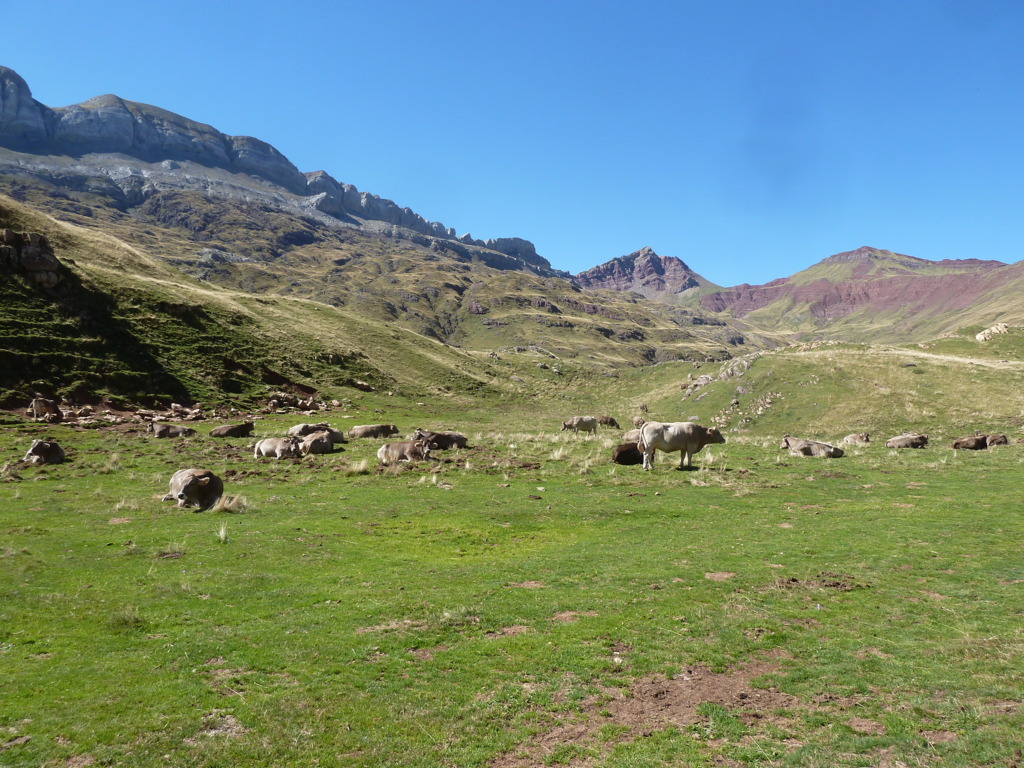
(204, 481)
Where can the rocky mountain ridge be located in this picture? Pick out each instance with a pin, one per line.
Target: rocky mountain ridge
(156, 149)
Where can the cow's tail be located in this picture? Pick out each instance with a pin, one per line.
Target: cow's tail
(641, 443)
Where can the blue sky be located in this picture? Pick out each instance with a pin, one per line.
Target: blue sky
(750, 139)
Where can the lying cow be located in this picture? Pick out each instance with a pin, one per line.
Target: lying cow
(441, 441)
(46, 410)
(683, 436)
(301, 430)
(406, 450)
(44, 452)
(971, 443)
(278, 448)
(998, 440)
(169, 430)
(233, 430)
(632, 436)
(627, 454)
(579, 424)
(608, 421)
(799, 447)
(373, 430)
(195, 488)
(857, 438)
(317, 442)
(907, 441)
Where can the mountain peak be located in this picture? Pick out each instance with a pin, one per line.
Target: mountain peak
(644, 272)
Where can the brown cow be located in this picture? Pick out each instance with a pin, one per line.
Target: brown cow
(800, 447)
(170, 430)
(441, 441)
(407, 450)
(195, 488)
(627, 454)
(373, 430)
(907, 441)
(998, 440)
(608, 421)
(44, 452)
(971, 443)
(233, 430)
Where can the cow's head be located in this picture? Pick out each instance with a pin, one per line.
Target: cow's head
(785, 442)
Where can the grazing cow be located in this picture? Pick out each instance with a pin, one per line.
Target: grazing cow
(579, 424)
(998, 440)
(441, 441)
(170, 430)
(639, 421)
(857, 438)
(971, 443)
(627, 454)
(317, 442)
(373, 430)
(907, 441)
(44, 452)
(195, 488)
(278, 447)
(608, 421)
(233, 430)
(799, 447)
(633, 436)
(683, 436)
(407, 450)
(45, 410)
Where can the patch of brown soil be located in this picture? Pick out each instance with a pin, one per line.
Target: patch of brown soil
(119, 520)
(515, 629)
(824, 580)
(567, 617)
(719, 575)
(653, 703)
(218, 723)
(527, 585)
(870, 727)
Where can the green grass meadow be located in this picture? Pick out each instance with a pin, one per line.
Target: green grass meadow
(506, 605)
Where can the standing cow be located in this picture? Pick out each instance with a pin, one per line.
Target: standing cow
(579, 424)
(683, 436)
(608, 421)
(42, 409)
(195, 488)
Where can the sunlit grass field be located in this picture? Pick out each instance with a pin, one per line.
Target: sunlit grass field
(522, 602)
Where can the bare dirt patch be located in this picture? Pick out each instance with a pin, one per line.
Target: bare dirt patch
(515, 629)
(527, 585)
(653, 703)
(567, 617)
(218, 723)
(119, 520)
(824, 580)
(404, 624)
(861, 725)
(719, 575)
